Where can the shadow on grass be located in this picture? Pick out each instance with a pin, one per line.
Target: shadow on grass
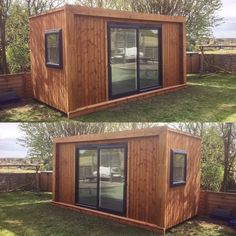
(202, 226)
(41, 218)
(29, 110)
(211, 98)
(26, 213)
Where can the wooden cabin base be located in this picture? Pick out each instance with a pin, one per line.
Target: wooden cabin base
(120, 219)
(123, 100)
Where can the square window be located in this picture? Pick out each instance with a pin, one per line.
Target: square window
(53, 49)
(178, 166)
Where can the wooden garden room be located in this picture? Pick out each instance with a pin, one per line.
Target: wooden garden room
(88, 59)
(148, 178)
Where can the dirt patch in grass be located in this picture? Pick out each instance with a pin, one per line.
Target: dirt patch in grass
(29, 110)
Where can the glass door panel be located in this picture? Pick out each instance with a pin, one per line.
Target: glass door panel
(88, 177)
(123, 60)
(148, 58)
(112, 179)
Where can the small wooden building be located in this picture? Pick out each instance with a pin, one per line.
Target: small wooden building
(87, 59)
(148, 178)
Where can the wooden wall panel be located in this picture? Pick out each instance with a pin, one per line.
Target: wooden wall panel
(182, 201)
(172, 54)
(146, 180)
(89, 84)
(90, 81)
(49, 84)
(65, 173)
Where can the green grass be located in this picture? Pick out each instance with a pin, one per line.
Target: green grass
(31, 214)
(29, 110)
(211, 97)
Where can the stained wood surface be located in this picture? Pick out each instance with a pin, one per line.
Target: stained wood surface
(107, 13)
(49, 84)
(182, 201)
(65, 173)
(209, 201)
(116, 218)
(20, 83)
(45, 181)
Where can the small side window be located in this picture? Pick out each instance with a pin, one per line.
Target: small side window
(178, 167)
(53, 49)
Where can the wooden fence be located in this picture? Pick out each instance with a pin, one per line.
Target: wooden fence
(26, 181)
(193, 63)
(211, 63)
(14, 181)
(20, 83)
(45, 181)
(212, 200)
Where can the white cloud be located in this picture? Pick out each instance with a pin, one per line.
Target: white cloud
(9, 133)
(228, 28)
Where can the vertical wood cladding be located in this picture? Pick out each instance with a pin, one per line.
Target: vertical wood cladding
(182, 201)
(49, 84)
(89, 84)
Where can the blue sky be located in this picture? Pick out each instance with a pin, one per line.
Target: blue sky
(227, 29)
(9, 147)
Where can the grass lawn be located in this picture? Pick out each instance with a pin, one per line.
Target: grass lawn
(31, 214)
(211, 97)
(29, 110)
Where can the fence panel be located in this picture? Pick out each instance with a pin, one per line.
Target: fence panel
(15, 181)
(193, 63)
(45, 181)
(20, 83)
(209, 201)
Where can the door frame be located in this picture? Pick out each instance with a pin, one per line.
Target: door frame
(137, 26)
(98, 147)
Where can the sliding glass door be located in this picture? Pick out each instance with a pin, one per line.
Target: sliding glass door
(134, 59)
(101, 177)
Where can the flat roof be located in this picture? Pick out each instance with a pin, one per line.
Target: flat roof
(115, 14)
(147, 132)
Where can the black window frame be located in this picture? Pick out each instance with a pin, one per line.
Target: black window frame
(137, 26)
(49, 64)
(98, 147)
(172, 156)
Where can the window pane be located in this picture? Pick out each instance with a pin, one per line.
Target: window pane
(88, 177)
(112, 179)
(179, 168)
(52, 48)
(148, 58)
(123, 60)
